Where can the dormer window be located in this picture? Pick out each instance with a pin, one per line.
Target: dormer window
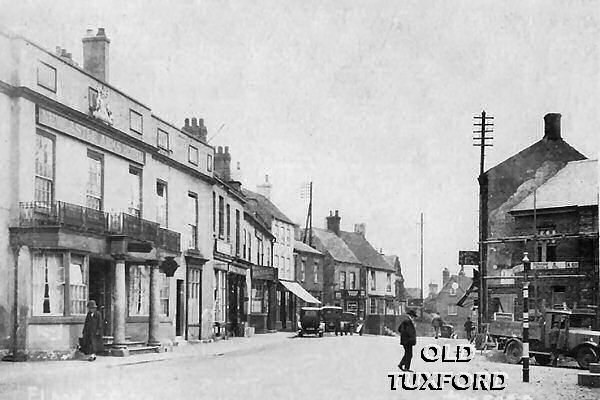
(162, 139)
(135, 122)
(193, 155)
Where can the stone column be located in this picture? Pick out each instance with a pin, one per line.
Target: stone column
(154, 320)
(119, 307)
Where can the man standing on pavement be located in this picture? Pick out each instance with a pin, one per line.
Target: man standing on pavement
(408, 338)
(468, 328)
(553, 341)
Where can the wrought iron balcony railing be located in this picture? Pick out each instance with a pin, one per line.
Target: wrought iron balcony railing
(59, 213)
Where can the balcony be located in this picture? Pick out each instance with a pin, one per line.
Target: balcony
(61, 214)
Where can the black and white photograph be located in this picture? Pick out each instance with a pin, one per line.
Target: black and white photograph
(299, 199)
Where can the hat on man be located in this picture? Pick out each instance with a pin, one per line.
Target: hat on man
(412, 313)
(92, 304)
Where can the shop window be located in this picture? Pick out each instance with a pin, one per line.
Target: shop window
(260, 297)
(195, 283)
(452, 309)
(164, 293)
(93, 193)
(135, 121)
(44, 170)
(46, 76)
(78, 285)
(139, 286)
(220, 285)
(342, 280)
(48, 278)
(380, 306)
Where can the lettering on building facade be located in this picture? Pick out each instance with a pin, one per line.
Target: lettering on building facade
(72, 128)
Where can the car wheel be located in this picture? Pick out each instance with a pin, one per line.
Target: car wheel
(514, 352)
(320, 334)
(585, 356)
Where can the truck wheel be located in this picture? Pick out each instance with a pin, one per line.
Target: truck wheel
(514, 352)
(586, 355)
(543, 359)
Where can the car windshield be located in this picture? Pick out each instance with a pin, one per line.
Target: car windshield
(580, 321)
(310, 313)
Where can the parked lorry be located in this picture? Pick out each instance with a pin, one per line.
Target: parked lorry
(575, 337)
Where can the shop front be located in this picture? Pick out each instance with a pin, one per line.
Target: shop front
(351, 301)
(263, 297)
(230, 299)
(291, 294)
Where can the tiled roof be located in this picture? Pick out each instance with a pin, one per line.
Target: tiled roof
(265, 208)
(303, 247)
(363, 250)
(391, 260)
(334, 245)
(574, 185)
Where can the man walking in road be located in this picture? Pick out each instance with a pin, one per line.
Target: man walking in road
(468, 328)
(408, 338)
(437, 323)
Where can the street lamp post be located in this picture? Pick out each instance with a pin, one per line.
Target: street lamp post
(526, 267)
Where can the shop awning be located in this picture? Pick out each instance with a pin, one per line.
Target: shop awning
(299, 292)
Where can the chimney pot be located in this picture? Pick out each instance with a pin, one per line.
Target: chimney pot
(58, 50)
(89, 32)
(552, 126)
(220, 149)
(337, 213)
(101, 32)
(194, 121)
(186, 122)
(226, 149)
(333, 222)
(266, 178)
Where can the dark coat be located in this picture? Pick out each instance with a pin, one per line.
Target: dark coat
(408, 333)
(93, 329)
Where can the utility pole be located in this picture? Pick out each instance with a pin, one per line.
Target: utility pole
(307, 237)
(526, 267)
(422, 300)
(483, 126)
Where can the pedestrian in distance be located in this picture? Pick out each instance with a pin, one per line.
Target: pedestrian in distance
(91, 342)
(468, 328)
(437, 323)
(408, 339)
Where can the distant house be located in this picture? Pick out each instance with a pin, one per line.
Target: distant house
(445, 301)
(399, 289)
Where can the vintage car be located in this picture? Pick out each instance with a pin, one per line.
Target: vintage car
(332, 317)
(310, 322)
(348, 323)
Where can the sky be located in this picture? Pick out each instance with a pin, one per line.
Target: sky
(371, 100)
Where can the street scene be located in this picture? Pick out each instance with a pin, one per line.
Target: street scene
(354, 199)
(291, 368)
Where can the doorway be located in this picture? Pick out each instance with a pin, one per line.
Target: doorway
(100, 290)
(180, 309)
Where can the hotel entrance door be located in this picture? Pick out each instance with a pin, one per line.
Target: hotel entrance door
(101, 281)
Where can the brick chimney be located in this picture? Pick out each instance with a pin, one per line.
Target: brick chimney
(63, 54)
(445, 276)
(95, 54)
(197, 128)
(223, 163)
(552, 126)
(333, 222)
(362, 229)
(265, 188)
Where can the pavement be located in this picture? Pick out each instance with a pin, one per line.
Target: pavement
(276, 366)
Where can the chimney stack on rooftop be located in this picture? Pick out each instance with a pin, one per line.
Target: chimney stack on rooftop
(223, 163)
(196, 129)
(552, 126)
(333, 222)
(265, 188)
(362, 229)
(96, 54)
